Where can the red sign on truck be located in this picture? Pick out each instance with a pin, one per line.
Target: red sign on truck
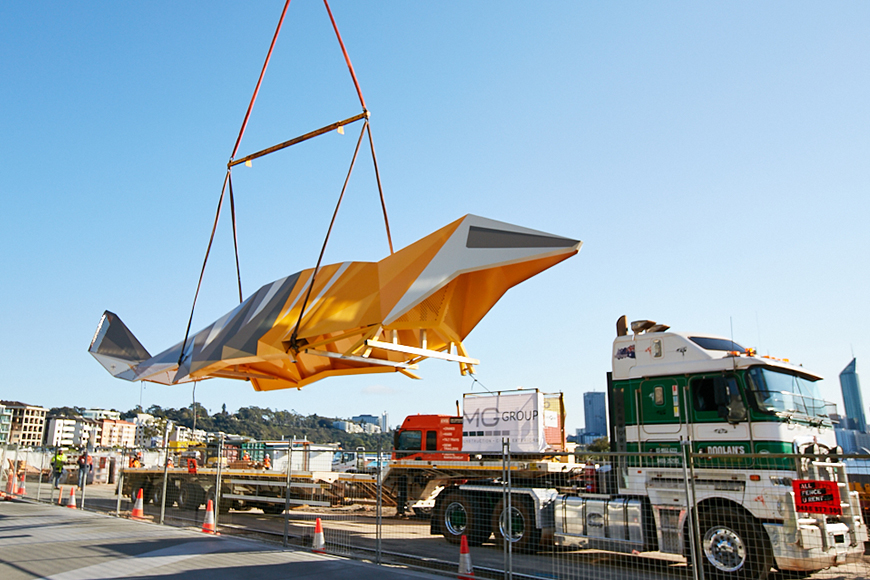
(817, 497)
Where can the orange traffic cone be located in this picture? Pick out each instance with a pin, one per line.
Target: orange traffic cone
(466, 570)
(138, 506)
(10, 486)
(208, 522)
(319, 544)
(22, 490)
(71, 503)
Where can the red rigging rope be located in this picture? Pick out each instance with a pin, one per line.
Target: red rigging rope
(346, 57)
(260, 80)
(229, 183)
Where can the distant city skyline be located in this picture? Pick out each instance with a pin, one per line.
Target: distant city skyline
(853, 402)
(595, 413)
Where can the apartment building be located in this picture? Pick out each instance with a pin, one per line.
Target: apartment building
(27, 425)
(5, 424)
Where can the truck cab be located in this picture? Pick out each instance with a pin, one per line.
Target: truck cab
(435, 433)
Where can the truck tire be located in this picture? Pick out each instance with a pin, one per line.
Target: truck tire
(459, 514)
(272, 508)
(190, 496)
(734, 546)
(525, 536)
(145, 486)
(157, 494)
(225, 504)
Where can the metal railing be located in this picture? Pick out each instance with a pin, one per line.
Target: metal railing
(563, 515)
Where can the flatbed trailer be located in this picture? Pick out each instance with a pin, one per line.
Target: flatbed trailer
(248, 488)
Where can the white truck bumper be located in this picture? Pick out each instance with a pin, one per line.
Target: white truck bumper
(812, 548)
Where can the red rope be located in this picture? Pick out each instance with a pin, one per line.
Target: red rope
(346, 57)
(259, 81)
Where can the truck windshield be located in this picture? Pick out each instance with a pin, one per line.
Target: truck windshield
(781, 392)
(410, 440)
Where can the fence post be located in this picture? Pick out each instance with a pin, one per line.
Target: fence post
(690, 512)
(378, 530)
(15, 470)
(217, 487)
(41, 469)
(287, 491)
(165, 477)
(120, 489)
(3, 462)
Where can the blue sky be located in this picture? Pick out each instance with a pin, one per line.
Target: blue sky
(714, 158)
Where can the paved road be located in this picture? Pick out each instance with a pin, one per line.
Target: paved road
(352, 531)
(45, 541)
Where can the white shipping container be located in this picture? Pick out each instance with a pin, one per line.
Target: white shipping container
(487, 419)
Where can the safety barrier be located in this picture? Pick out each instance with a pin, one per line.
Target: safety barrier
(674, 513)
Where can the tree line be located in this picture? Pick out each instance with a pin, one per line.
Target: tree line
(256, 422)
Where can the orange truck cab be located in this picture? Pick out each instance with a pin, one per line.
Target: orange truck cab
(421, 433)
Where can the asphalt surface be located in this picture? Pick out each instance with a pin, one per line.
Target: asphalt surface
(57, 543)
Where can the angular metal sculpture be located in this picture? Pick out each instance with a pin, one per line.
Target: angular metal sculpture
(362, 317)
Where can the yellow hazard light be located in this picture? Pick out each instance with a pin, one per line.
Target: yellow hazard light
(248, 163)
(340, 130)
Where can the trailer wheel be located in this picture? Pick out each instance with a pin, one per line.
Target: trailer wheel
(146, 492)
(733, 546)
(458, 514)
(157, 494)
(190, 496)
(525, 536)
(272, 508)
(225, 504)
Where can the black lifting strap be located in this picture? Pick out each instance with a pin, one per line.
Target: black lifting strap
(293, 337)
(228, 181)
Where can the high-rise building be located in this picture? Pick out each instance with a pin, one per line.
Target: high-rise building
(595, 414)
(852, 399)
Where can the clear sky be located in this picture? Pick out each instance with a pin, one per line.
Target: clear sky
(714, 158)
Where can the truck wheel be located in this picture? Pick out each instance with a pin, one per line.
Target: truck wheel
(225, 504)
(733, 546)
(171, 493)
(524, 536)
(272, 508)
(190, 496)
(146, 492)
(458, 514)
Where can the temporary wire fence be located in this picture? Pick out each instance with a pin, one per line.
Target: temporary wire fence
(668, 514)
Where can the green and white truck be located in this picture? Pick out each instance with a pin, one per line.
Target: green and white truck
(708, 440)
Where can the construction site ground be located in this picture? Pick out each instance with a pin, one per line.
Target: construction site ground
(46, 541)
(351, 530)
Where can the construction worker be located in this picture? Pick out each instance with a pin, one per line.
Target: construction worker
(86, 465)
(245, 456)
(267, 462)
(57, 463)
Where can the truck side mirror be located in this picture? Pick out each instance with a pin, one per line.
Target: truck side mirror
(728, 400)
